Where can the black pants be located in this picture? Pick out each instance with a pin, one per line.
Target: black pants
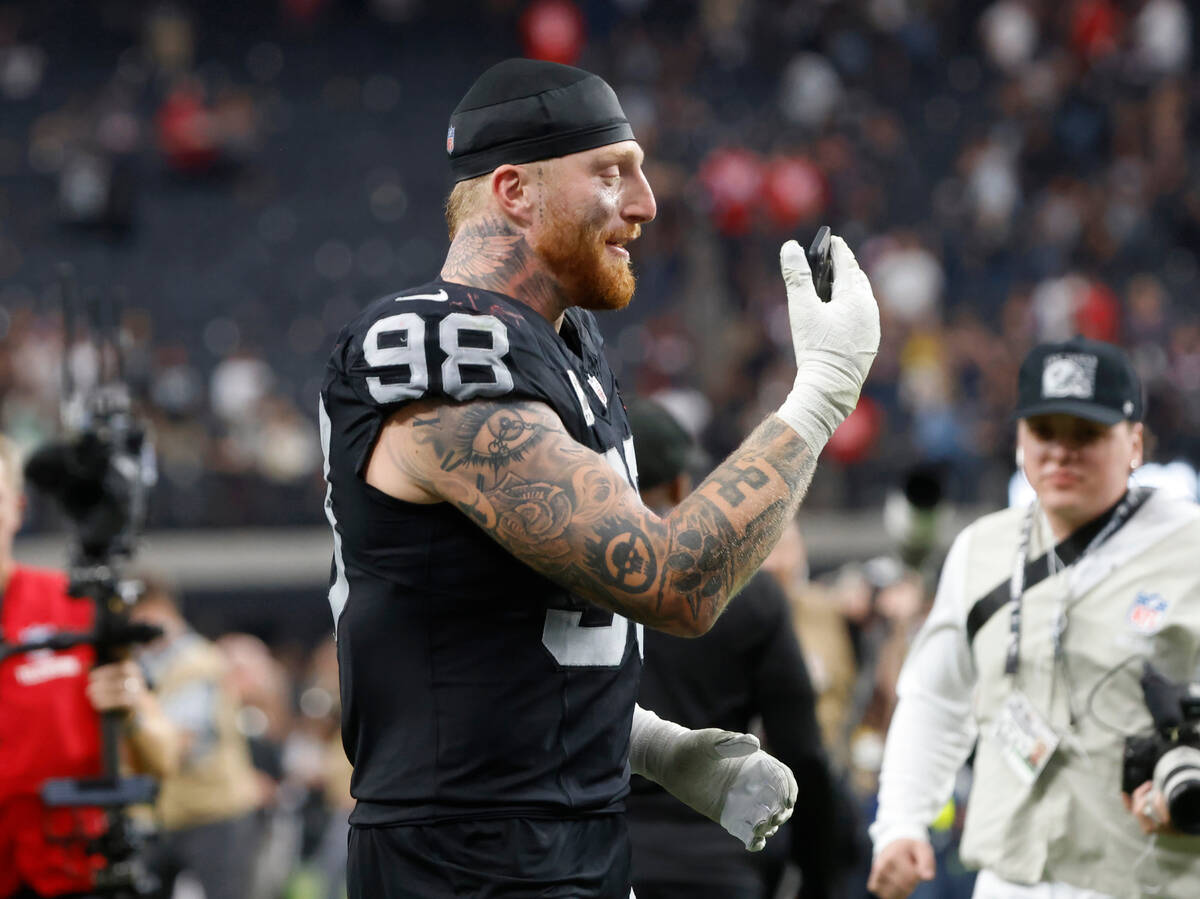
(220, 855)
(579, 858)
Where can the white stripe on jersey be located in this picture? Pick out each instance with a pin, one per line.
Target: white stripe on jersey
(339, 590)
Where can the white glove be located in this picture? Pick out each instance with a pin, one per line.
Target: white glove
(835, 342)
(721, 774)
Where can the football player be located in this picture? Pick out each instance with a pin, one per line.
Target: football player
(493, 564)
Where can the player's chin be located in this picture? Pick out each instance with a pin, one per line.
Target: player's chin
(610, 287)
(605, 302)
(614, 292)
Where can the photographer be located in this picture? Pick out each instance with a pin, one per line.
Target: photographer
(1041, 611)
(49, 726)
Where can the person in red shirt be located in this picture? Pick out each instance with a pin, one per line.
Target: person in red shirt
(49, 726)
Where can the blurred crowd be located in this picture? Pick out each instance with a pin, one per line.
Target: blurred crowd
(240, 178)
(1008, 171)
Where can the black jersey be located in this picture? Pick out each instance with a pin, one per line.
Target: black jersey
(471, 685)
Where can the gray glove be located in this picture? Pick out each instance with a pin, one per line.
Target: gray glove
(721, 774)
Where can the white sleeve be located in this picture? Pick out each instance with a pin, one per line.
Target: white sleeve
(932, 730)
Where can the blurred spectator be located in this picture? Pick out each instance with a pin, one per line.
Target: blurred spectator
(824, 638)
(811, 89)
(197, 136)
(1162, 38)
(207, 807)
(285, 442)
(907, 278)
(748, 668)
(321, 706)
(264, 717)
(1009, 32)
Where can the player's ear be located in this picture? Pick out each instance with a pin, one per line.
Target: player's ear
(513, 192)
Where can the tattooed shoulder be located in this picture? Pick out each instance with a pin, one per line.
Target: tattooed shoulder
(482, 435)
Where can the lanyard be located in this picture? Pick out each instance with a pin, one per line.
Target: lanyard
(1130, 503)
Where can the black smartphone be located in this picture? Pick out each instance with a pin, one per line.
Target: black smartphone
(821, 263)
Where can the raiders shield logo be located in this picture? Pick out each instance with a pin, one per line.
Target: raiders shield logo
(1069, 375)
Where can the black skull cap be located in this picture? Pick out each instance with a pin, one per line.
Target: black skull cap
(523, 110)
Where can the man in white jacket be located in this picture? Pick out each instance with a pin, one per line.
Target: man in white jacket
(1032, 655)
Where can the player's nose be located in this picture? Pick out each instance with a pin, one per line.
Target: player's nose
(639, 206)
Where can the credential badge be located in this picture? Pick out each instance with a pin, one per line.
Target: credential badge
(1069, 375)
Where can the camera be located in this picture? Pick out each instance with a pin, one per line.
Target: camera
(99, 476)
(97, 479)
(1170, 756)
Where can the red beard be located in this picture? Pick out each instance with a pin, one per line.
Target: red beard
(577, 255)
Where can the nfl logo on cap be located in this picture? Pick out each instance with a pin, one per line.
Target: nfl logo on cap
(450, 140)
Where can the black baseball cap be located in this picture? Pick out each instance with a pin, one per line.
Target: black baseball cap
(1085, 378)
(523, 110)
(664, 448)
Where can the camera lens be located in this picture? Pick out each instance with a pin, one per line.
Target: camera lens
(1177, 777)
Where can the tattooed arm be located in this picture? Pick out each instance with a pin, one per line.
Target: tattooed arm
(513, 469)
